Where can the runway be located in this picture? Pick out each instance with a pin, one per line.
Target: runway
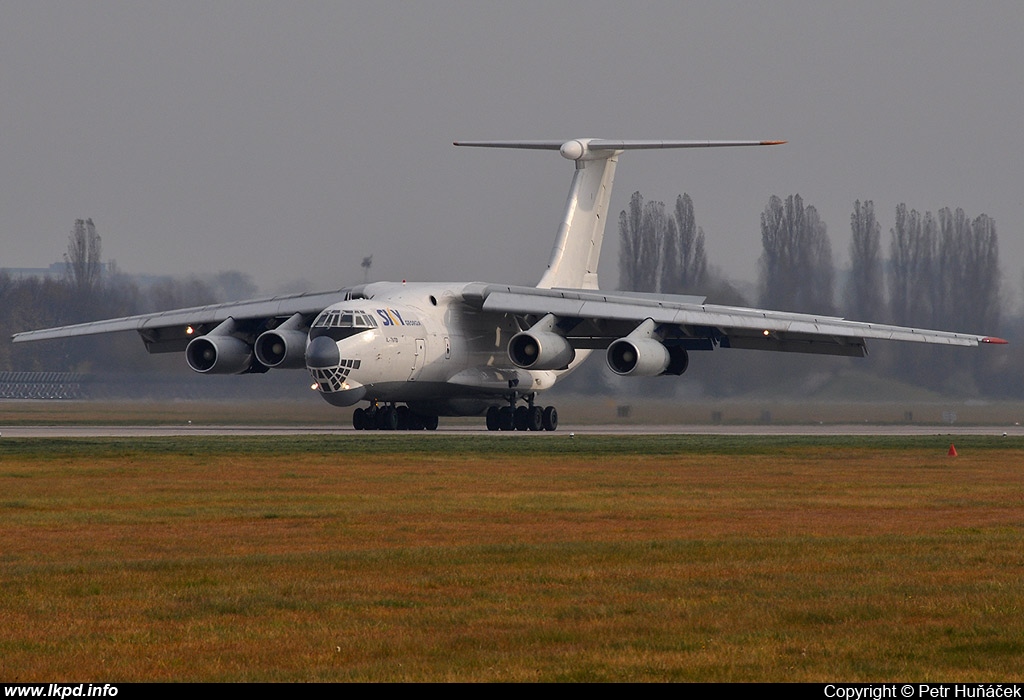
(127, 431)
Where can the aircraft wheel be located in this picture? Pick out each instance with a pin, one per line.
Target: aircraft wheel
(493, 418)
(507, 418)
(404, 418)
(522, 415)
(550, 418)
(430, 422)
(371, 416)
(359, 419)
(387, 418)
(535, 418)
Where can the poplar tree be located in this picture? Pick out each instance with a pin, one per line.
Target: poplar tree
(866, 296)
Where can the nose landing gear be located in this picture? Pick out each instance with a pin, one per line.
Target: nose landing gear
(391, 417)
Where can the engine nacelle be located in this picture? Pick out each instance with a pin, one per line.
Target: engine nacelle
(679, 360)
(638, 357)
(540, 350)
(285, 349)
(218, 354)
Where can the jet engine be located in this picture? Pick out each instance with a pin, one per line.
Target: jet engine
(645, 357)
(637, 357)
(218, 354)
(540, 350)
(642, 354)
(285, 349)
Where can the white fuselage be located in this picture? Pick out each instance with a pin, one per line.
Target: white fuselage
(418, 344)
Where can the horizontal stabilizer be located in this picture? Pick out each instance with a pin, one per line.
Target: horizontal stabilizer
(578, 149)
(577, 249)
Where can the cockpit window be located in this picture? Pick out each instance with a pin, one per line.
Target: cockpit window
(333, 318)
(340, 324)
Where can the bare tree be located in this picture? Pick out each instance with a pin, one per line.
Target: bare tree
(83, 259)
(944, 273)
(866, 295)
(818, 296)
(797, 272)
(968, 271)
(629, 242)
(984, 298)
(953, 270)
(658, 252)
(671, 258)
(654, 230)
(775, 256)
(691, 272)
(911, 262)
(643, 230)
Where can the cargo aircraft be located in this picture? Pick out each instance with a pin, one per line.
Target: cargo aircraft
(414, 352)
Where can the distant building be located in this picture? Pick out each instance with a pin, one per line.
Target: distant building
(57, 270)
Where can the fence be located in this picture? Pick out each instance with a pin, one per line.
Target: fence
(43, 385)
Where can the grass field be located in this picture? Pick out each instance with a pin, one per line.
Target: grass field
(387, 557)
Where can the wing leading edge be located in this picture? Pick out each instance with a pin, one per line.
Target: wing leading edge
(169, 331)
(595, 319)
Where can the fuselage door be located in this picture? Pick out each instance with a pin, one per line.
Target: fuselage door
(417, 358)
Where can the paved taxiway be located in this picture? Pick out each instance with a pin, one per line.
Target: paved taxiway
(90, 431)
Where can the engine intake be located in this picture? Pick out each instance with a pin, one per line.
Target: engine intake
(218, 354)
(284, 349)
(638, 357)
(540, 350)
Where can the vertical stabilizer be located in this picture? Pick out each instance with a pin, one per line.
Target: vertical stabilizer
(577, 249)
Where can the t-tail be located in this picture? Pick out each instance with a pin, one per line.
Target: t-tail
(577, 248)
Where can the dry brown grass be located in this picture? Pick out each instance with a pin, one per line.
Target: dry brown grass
(348, 559)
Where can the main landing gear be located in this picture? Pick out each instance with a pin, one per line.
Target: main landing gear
(528, 417)
(391, 418)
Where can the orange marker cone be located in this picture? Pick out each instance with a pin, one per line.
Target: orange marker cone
(952, 450)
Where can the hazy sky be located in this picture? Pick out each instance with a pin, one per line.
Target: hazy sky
(290, 140)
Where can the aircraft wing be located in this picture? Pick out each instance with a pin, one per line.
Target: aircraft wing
(170, 331)
(595, 319)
